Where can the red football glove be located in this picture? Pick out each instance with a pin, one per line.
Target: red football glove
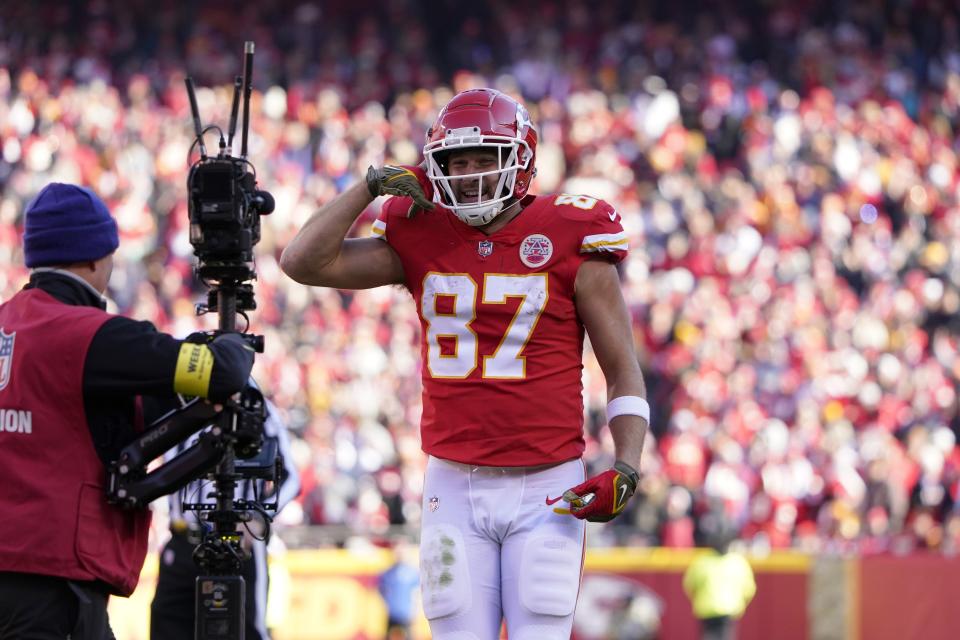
(602, 497)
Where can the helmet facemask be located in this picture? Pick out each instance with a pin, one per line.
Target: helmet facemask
(512, 154)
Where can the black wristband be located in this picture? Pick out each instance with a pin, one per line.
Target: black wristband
(632, 474)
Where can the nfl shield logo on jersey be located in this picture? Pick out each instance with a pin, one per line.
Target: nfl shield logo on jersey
(6, 356)
(434, 503)
(536, 250)
(485, 248)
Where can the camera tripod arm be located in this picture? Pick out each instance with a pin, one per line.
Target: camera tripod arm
(169, 477)
(168, 430)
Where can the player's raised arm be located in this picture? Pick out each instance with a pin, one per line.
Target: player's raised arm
(321, 255)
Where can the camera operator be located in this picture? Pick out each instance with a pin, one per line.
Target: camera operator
(70, 379)
(172, 613)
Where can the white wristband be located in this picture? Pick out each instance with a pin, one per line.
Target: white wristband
(628, 406)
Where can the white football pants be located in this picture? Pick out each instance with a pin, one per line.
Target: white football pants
(491, 547)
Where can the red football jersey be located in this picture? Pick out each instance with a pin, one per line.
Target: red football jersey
(501, 341)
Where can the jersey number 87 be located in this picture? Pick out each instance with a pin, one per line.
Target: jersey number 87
(455, 325)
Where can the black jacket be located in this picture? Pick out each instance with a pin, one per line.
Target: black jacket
(129, 358)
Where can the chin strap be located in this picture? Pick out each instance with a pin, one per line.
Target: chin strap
(479, 222)
(470, 215)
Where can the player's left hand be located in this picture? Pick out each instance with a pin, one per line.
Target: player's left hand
(603, 497)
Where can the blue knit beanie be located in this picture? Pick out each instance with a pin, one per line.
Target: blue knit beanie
(66, 224)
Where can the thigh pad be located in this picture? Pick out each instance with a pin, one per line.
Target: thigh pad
(550, 574)
(444, 571)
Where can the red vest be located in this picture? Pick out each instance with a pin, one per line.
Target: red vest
(55, 517)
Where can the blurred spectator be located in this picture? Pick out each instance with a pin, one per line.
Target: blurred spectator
(720, 585)
(788, 180)
(399, 587)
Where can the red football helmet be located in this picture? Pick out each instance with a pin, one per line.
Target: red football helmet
(489, 119)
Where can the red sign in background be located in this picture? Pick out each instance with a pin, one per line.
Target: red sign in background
(331, 595)
(915, 596)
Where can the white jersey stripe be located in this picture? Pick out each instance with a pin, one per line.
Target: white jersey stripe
(604, 242)
(379, 229)
(605, 237)
(606, 246)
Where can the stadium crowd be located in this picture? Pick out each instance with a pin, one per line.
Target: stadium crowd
(787, 175)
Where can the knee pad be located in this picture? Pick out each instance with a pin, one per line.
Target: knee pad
(444, 573)
(550, 575)
(540, 632)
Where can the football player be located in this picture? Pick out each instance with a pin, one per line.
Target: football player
(505, 284)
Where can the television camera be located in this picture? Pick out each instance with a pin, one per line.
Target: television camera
(224, 206)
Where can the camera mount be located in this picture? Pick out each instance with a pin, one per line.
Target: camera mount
(224, 207)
